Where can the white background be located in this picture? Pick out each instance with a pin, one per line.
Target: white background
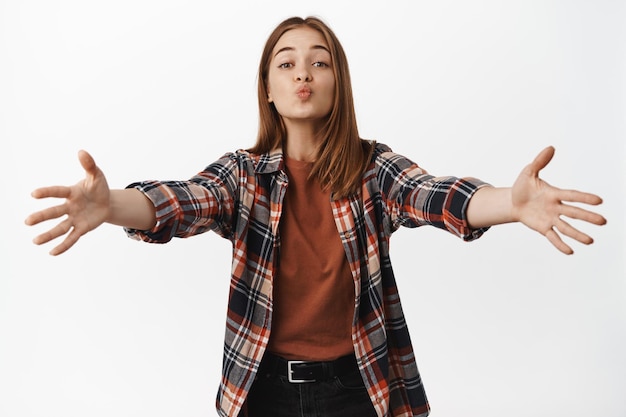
(505, 326)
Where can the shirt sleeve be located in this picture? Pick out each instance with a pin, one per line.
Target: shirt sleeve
(186, 208)
(415, 198)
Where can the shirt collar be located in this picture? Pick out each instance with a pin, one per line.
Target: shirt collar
(270, 162)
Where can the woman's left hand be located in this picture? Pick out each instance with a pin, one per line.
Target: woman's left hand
(542, 207)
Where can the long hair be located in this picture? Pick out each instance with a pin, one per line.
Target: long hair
(341, 156)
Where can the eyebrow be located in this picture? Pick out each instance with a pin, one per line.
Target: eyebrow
(291, 48)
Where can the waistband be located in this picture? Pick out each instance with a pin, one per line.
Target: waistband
(298, 372)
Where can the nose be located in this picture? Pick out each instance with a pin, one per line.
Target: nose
(303, 76)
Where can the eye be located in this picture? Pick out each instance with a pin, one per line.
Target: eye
(320, 64)
(285, 65)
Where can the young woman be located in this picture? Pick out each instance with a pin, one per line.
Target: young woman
(315, 325)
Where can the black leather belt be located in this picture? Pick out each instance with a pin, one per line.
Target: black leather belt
(298, 372)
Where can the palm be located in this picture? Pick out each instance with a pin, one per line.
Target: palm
(542, 207)
(86, 206)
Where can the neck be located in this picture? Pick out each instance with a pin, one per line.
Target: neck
(302, 141)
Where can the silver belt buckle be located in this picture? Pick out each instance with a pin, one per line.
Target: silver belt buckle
(290, 373)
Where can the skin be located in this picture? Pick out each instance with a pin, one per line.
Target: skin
(301, 86)
(537, 204)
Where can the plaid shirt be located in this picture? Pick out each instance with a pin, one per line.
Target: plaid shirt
(240, 197)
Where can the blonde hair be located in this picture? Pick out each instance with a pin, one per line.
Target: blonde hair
(342, 156)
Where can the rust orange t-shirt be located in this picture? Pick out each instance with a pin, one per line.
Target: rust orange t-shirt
(313, 289)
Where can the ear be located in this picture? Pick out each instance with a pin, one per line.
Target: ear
(269, 97)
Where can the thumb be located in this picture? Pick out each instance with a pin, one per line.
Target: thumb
(87, 162)
(541, 160)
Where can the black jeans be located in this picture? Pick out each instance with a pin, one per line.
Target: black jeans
(275, 396)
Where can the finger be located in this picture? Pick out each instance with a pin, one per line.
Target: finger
(87, 162)
(59, 230)
(541, 160)
(578, 213)
(46, 214)
(570, 231)
(556, 241)
(67, 243)
(579, 197)
(57, 191)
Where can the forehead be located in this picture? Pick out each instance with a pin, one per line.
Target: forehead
(300, 38)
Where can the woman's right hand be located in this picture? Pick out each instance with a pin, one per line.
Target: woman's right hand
(86, 206)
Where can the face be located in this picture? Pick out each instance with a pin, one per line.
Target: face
(301, 83)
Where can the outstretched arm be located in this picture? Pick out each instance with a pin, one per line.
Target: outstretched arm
(537, 204)
(87, 205)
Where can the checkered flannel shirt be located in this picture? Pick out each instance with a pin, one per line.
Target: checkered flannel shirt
(240, 197)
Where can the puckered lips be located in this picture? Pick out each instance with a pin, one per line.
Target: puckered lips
(304, 92)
